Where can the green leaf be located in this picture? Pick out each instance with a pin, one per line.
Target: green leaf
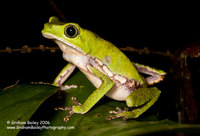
(19, 103)
(17, 100)
(94, 122)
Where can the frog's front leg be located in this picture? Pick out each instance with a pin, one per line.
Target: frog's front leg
(156, 75)
(93, 98)
(63, 75)
(141, 99)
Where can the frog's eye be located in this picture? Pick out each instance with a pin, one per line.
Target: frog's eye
(71, 31)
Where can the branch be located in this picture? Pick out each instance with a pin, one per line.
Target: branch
(27, 49)
(57, 10)
(186, 102)
(146, 51)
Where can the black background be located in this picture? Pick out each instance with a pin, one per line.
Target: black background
(158, 26)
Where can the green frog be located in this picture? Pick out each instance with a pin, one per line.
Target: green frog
(106, 67)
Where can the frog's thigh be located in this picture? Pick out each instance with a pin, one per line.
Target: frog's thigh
(143, 95)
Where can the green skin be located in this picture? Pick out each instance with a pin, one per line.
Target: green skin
(106, 67)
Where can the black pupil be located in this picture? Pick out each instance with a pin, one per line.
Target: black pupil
(71, 31)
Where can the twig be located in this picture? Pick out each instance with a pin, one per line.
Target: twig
(145, 50)
(27, 49)
(11, 85)
(60, 14)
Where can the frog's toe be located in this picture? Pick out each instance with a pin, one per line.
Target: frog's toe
(67, 87)
(70, 109)
(112, 117)
(63, 108)
(117, 114)
(75, 101)
(69, 114)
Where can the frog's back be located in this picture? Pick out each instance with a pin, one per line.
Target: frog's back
(114, 59)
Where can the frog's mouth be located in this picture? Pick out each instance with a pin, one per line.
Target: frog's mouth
(61, 42)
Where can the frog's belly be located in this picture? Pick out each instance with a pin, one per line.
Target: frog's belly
(119, 93)
(80, 60)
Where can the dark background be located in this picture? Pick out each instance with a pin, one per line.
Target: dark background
(158, 26)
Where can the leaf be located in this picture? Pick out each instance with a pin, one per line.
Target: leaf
(19, 103)
(92, 123)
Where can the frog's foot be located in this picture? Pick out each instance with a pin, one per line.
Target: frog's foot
(75, 101)
(70, 109)
(118, 114)
(67, 87)
(69, 114)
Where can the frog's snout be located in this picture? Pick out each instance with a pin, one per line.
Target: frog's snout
(46, 27)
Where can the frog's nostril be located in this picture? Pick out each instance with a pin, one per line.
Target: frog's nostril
(50, 26)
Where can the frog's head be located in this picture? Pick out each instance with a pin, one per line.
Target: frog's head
(68, 34)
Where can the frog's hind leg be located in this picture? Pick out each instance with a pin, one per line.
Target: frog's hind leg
(141, 99)
(155, 74)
